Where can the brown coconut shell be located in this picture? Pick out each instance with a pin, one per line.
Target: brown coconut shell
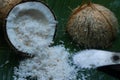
(92, 26)
(5, 7)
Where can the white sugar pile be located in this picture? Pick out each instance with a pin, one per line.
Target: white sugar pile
(50, 64)
(95, 58)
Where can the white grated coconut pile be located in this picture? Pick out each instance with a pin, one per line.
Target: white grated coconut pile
(94, 58)
(50, 64)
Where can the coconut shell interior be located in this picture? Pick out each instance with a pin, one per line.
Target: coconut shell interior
(30, 26)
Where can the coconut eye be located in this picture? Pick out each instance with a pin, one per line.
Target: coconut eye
(115, 58)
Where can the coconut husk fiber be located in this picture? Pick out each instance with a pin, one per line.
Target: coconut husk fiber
(92, 26)
(5, 7)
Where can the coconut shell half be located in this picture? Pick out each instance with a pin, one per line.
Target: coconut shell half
(6, 6)
(92, 26)
(30, 27)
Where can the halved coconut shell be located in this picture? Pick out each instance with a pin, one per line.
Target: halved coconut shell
(92, 26)
(5, 7)
(30, 27)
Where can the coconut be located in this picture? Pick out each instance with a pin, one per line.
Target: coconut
(6, 5)
(92, 26)
(30, 27)
(93, 58)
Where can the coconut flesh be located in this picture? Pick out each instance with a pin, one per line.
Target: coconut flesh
(5, 7)
(92, 58)
(49, 64)
(28, 24)
(92, 26)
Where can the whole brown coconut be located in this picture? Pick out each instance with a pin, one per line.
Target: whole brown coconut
(6, 5)
(92, 26)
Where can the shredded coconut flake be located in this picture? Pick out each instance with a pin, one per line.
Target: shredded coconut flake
(94, 58)
(50, 64)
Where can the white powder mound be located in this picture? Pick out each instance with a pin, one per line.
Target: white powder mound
(94, 58)
(28, 25)
(50, 64)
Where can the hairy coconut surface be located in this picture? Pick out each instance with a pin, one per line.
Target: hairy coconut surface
(30, 26)
(6, 5)
(92, 26)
